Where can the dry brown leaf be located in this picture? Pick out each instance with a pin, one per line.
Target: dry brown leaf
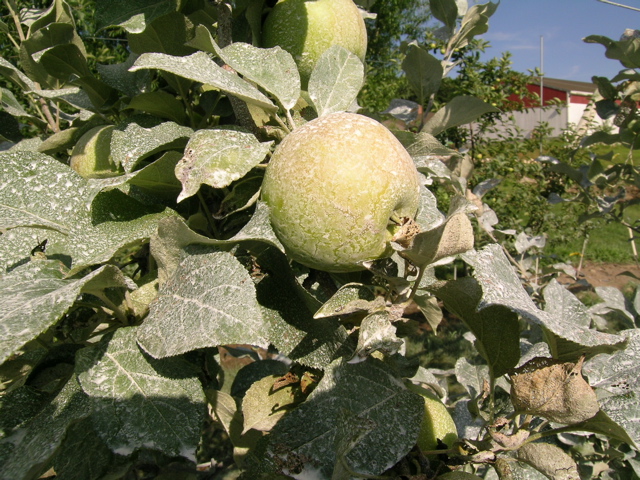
(549, 460)
(554, 390)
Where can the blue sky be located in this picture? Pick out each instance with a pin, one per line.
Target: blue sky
(517, 25)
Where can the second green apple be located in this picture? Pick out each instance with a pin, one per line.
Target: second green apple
(306, 28)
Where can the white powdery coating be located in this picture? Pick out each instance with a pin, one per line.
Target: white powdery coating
(332, 186)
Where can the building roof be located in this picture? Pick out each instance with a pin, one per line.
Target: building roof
(567, 85)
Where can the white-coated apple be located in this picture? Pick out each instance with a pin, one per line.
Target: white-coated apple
(306, 28)
(337, 188)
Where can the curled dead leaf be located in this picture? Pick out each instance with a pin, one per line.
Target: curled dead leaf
(554, 390)
(549, 460)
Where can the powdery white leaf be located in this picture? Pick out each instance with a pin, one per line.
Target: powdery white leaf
(199, 67)
(561, 303)
(60, 206)
(615, 378)
(37, 294)
(336, 81)
(453, 237)
(550, 460)
(140, 402)
(501, 286)
(273, 69)
(217, 158)
(38, 191)
(365, 393)
(292, 328)
(351, 298)
(377, 333)
(132, 142)
(28, 451)
(210, 300)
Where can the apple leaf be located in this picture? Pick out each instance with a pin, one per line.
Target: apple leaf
(351, 298)
(495, 327)
(377, 333)
(56, 208)
(216, 306)
(132, 142)
(53, 188)
(160, 104)
(423, 70)
(335, 81)
(174, 235)
(262, 406)
(348, 398)
(199, 67)
(292, 328)
(475, 22)
(616, 380)
(37, 294)
(561, 303)
(460, 110)
(166, 34)
(218, 158)
(501, 286)
(139, 401)
(446, 11)
(453, 237)
(83, 454)
(273, 69)
(132, 15)
(27, 453)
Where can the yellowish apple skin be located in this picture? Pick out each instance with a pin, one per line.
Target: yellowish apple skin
(91, 155)
(306, 28)
(437, 423)
(333, 185)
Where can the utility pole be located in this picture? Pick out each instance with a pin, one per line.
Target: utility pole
(541, 83)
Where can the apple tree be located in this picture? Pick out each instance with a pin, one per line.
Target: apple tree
(214, 268)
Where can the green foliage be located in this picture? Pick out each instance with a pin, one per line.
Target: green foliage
(153, 322)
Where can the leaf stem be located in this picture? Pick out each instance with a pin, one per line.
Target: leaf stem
(207, 213)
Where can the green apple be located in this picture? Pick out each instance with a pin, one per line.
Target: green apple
(336, 188)
(306, 28)
(91, 156)
(437, 423)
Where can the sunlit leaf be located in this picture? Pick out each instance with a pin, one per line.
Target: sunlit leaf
(501, 286)
(210, 300)
(335, 81)
(271, 68)
(132, 142)
(199, 67)
(218, 158)
(81, 228)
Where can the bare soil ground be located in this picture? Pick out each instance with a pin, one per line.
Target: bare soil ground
(607, 275)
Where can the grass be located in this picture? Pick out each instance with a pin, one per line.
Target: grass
(522, 204)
